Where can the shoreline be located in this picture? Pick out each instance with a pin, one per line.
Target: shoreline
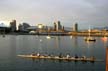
(62, 34)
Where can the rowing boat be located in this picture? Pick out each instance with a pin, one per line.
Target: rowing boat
(91, 59)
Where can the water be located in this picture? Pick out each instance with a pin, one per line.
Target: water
(11, 46)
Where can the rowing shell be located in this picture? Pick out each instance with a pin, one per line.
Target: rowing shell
(60, 58)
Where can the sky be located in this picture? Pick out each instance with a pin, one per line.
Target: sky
(84, 12)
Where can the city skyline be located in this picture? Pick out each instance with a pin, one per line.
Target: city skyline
(84, 12)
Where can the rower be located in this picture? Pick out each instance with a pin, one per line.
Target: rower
(84, 57)
(67, 56)
(76, 56)
(38, 54)
(92, 58)
(33, 54)
(60, 55)
(45, 55)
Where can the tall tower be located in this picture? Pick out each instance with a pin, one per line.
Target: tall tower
(13, 25)
(55, 26)
(75, 28)
(59, 26)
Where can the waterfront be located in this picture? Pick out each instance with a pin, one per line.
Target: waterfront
(12, 45)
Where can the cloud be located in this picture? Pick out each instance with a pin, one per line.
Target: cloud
(47, 11)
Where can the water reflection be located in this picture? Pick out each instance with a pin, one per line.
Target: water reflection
(75, 41)
(105, 41)
(40, 43)
(22, 44)
(89, 44)
(90, 48)
(75, 45)
(12, 54)
(13, 46)
(57, 41)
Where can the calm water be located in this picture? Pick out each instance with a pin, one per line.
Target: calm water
(11, 46)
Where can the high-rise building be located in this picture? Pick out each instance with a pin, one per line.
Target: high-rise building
(13, 25)
(63, 28)
(75, 27)
(58, 26)
(55, 26)
(20, 27)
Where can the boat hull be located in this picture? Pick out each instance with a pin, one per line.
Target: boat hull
(90, 39)
(59, 58)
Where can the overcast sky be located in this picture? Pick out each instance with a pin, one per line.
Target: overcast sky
(84, 12)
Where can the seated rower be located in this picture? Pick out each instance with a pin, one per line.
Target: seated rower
(60, 55)
(84, 57)
(93, 58)
(38, 54)
(76, 56)
(33, 54)
(67, 56)
(45, 55)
